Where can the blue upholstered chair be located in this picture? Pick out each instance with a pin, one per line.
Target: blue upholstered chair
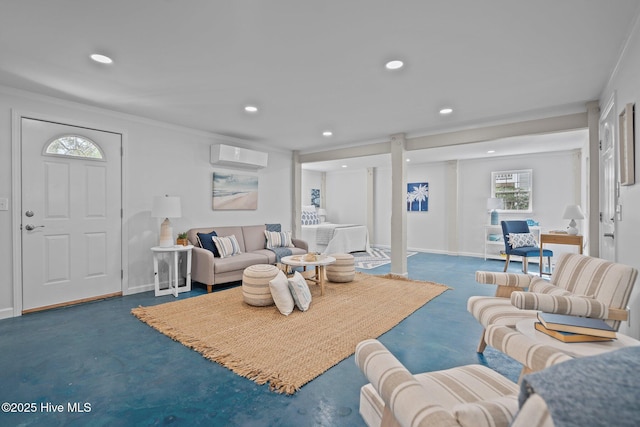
(521, 243)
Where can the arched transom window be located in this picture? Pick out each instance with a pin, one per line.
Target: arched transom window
(74, 146)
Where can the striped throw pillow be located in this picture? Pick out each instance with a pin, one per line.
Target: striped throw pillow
(227, 246)
(277, 239)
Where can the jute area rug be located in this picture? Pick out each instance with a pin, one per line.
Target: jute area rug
(287, 352)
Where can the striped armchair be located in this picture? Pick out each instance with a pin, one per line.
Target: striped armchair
(472, 395)
(580, 286)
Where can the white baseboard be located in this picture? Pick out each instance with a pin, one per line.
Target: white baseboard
(426, 251)
(469, 254)
(151, 287)
(6, 313)
(429, 251)
(532, 260)
(139, 289)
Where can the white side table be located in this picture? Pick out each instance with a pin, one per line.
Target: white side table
(173, 288)
(575, 349)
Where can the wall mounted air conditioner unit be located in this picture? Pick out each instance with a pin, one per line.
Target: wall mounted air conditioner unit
(236, 157)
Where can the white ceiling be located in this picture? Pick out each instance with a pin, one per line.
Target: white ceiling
(502, 147)
(316, 65)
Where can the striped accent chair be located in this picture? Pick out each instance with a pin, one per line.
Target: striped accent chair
(580, 286)
(472, 395)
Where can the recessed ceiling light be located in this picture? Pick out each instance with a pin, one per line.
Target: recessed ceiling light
(327, 133)
(491, 151)
(394, 65)
(408, 160)
(101, 58)
(446, 111)
(344, 166)
(251, 109)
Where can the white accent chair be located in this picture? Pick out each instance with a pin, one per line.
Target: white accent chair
(472, 395)
(580, 286)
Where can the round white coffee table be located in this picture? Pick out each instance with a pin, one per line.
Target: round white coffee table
(576, 349)
(319, 264)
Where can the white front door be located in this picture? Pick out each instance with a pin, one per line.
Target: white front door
(71, 214)
(608, 183)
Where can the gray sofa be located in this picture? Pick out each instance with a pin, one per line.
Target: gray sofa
(210, 270)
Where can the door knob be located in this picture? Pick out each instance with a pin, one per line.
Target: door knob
(609, 235)
(29, 213)
(30, 227)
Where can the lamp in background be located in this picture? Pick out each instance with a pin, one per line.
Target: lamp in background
(494, 203)
(322, 214)
(573, 212)
(166, 207)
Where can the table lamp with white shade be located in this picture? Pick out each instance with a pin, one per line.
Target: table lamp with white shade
(493, 204)
(166, 207)
(573, 212)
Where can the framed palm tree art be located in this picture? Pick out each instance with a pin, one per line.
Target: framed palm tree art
(418, 197)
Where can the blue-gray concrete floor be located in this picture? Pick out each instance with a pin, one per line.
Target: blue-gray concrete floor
(107, 368)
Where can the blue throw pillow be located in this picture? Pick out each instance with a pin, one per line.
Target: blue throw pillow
(274, 227)
(206, 242)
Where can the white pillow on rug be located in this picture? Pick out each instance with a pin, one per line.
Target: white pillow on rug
(300, 291)
(279, 287)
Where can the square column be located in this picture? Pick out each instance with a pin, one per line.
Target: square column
(398, 205)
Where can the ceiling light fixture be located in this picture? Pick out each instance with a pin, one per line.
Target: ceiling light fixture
(251, 109)
(408, 160)
(396, 64)
(327, 133)
(491, 151)
(344, 166)
(445, 111)
(103, 59)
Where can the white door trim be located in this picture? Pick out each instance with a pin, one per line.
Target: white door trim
(16, 196)
(608, 109)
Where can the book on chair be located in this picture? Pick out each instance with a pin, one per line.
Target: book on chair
(576, 325)
(569, 336)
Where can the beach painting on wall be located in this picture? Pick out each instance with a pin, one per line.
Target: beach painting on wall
(235, 192)
(418, 197)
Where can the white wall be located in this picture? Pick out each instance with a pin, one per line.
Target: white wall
(555, 184)
(626, 86)
(556, 181)
(159, 159)
(308, 180)
(426, 231)
(346, 198)
(382, 207)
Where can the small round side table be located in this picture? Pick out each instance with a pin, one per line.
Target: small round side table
(173, 288)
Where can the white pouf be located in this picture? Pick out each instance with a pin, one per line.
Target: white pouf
(343, 270)
(255, 284)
